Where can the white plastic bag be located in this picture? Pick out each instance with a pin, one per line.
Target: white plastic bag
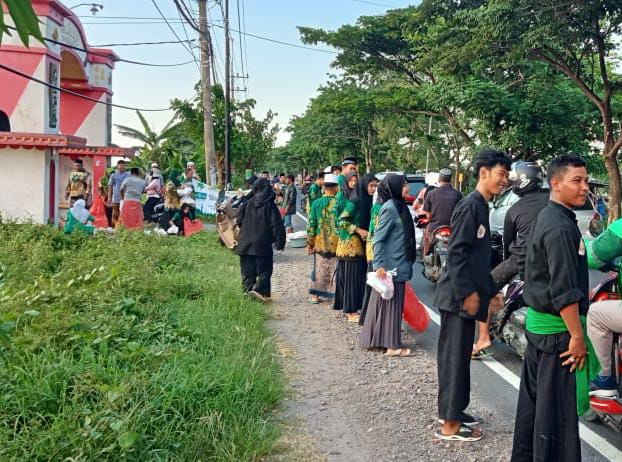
(384, 286)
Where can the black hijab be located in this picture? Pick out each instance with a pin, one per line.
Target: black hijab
(365, 201)
(262, 192)
(350, 193)
(384, 194)
(394, 184)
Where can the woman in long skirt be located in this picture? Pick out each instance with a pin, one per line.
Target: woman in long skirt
(351, 265)
(394, 247)
(322, 241)
(383, 196)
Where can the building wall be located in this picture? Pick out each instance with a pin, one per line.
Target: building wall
(24, 180)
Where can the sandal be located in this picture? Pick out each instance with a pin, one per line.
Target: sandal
(314, 302)
(402, 353)
(464, 433)
(481, 354)
(466, 419)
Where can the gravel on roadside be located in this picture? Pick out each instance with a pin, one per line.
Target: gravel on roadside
(356, 405)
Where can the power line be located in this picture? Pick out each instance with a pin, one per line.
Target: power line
(102, 55)
(187, 48)
(242, 66)
(374, 3)
(64, 90)
(141, 43)
(160, 19)
(188, 38)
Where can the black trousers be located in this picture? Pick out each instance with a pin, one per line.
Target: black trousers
(455, 344)
(149, 206)
(547, 425)
(256, 273)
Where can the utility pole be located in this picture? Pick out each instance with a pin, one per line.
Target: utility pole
(227, 97)
(208, 122)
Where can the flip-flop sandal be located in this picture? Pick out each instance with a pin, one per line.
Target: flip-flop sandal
(314, 302)
(467, 420)
(481, 354)
(464, 433)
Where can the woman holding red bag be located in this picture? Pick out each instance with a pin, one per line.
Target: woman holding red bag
(394, 249)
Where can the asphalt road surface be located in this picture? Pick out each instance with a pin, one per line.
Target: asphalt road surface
(496, 379)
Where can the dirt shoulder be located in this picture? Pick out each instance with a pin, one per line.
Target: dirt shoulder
(347, 404)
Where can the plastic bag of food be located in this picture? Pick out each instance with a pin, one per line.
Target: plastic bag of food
(384, 286)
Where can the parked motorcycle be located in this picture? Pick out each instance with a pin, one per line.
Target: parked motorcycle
(435, 262)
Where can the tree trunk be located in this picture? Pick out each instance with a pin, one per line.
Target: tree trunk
(610, 156)
(611, 163)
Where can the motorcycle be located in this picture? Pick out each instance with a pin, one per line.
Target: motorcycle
(609, 410)
(435, 262)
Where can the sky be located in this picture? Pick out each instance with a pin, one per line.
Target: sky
(281, 78)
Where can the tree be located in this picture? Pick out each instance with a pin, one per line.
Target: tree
(577, 40)
(23, 17)
(152, 149)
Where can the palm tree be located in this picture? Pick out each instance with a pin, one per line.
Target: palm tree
(152, 141)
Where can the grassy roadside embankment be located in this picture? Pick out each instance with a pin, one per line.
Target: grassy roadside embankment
(130, 347)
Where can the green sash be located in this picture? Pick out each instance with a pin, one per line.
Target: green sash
(547, 324)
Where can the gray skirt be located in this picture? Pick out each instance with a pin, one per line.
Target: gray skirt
(383, 320)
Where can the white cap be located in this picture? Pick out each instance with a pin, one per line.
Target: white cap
(190, 164)
(328, 169)
(154, 165)
(331, 179)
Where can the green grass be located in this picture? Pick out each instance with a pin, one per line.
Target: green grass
(130, 348)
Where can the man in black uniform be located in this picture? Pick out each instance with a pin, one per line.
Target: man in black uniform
(519, 219)
(463, 296)
(556, 289)
(439, 205)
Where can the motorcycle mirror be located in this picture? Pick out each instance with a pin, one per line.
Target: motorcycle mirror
(596, 227)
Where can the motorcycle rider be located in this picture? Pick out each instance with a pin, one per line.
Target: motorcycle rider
(431, 181)
(526, 180)
(439, 205)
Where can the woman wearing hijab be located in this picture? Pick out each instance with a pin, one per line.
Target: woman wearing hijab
(260, 226)
(153, 189)
(78, 218)
(352, 232)
(383, 196)
(394, 248)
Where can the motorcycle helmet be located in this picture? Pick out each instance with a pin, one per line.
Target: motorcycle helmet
(526, 177)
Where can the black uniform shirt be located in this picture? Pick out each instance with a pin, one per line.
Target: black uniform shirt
(440, 203)
(556, 271)
(517, 225)
(468, 259)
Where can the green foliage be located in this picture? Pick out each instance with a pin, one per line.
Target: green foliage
(468, 66)
(23, 17)
(130, 347)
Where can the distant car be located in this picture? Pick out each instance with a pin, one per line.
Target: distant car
(415, 183)
(585, 214)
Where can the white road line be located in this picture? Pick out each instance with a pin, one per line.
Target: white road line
(600, 444)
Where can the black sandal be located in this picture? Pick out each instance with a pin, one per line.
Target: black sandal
(464, 433)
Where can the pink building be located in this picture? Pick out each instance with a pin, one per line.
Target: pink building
(43, 129)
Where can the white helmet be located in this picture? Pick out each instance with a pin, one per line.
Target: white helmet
(431, 178)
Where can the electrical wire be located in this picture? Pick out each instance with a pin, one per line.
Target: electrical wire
(242, 66)
(188, 38)
(64, 90)
(187, 48)
(102, 55)
(140, 43)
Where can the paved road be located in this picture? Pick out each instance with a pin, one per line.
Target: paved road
(496, 380)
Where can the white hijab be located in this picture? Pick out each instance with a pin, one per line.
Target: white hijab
(79, 211)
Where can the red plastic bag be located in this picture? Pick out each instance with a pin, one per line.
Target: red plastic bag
(415, 314)
(98, 210)
(282, 211)
(192, 226)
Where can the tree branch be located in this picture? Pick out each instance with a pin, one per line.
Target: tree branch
(563, 68)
